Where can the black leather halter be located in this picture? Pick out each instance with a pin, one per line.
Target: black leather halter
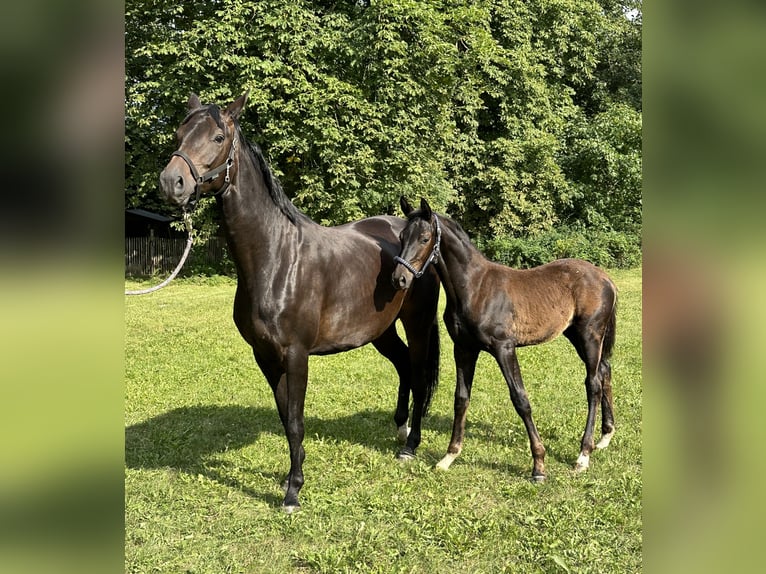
(432, 258)
(208, 175)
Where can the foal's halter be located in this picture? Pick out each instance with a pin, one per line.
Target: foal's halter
(209, 175)
(432, 258)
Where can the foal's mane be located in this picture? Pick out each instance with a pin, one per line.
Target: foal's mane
(453, 225)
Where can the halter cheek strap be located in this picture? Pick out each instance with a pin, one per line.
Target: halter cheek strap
(208, 175)
(432, 258)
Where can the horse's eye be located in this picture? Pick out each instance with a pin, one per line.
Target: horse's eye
(219, 138)
(425, 240)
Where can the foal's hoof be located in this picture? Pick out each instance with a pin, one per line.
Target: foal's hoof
(582, 464)
(406, 454)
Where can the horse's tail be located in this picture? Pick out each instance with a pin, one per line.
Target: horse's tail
(432, 366)
(607, 344)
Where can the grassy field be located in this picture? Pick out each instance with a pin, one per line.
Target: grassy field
(205, 453)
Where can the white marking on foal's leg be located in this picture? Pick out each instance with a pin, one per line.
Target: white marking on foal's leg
(583, 462)
(448, 459)
(402, 433)
(605, 440)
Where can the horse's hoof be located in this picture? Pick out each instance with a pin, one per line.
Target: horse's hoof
(406, 454)
(402, 433)
(606, 438)
(291, 508)
(539, 478)
(582, 464)
(447, 461)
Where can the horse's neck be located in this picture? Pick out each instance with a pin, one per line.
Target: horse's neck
(455, 268)
(257, 230)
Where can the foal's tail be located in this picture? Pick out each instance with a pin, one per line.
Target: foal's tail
(432, 366)
(607, 344)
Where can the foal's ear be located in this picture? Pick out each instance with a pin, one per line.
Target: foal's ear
(425, 208)
(405, 205)
(193, 102)
(235, 108)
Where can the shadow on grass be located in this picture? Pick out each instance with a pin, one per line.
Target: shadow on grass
(187, 439)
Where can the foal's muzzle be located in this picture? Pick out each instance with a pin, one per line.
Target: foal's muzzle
(400, 280)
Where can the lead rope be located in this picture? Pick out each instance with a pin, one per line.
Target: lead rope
(187, 249)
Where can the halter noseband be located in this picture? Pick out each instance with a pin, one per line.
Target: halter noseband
(209, 175)
(432, 258)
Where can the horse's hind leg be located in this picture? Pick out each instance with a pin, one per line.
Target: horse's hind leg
(391, 346)
(465, 363)
(589, 349)
(607, 410)
(509, 365)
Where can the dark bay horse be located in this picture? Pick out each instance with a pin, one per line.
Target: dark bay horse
(304, 289)
(496, 309)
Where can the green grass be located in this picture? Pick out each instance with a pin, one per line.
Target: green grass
(205, 455)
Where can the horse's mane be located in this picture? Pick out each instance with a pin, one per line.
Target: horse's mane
(277, 194)
(454, 226)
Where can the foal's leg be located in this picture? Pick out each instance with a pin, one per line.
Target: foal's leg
(465, 363)
(391, 346)
(607, 411)
(588, 347)
(509, 365)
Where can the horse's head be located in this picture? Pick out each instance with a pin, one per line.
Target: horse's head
(204, 160)
(420, 240)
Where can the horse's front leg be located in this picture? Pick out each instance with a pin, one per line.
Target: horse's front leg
(296, 380)
(465, 365)
(509, 365)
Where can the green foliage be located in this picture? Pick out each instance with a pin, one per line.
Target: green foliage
(603, 161)
(514, 116)
(205, 455)
(608, 249)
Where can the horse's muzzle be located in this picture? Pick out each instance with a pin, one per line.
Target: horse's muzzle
(176, 182)
(401, 279)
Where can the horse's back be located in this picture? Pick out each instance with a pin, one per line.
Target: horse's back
(591, 286)
(540, 302)
(574, 271)
(383, 229)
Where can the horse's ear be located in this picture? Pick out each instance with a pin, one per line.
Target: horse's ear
(425, 208)
(235, 108)
(193, 102)
(405, 205)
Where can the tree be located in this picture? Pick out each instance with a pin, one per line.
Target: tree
(487, 108)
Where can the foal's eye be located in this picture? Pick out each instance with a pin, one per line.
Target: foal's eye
(219, 138)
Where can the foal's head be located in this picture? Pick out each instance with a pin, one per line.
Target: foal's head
(204, 160)
(420, 240)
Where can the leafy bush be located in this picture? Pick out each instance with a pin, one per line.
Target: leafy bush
(610, 249)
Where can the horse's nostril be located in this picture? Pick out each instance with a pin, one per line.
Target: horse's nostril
(180, 182)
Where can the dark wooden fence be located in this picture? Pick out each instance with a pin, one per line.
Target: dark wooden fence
(159, 255)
